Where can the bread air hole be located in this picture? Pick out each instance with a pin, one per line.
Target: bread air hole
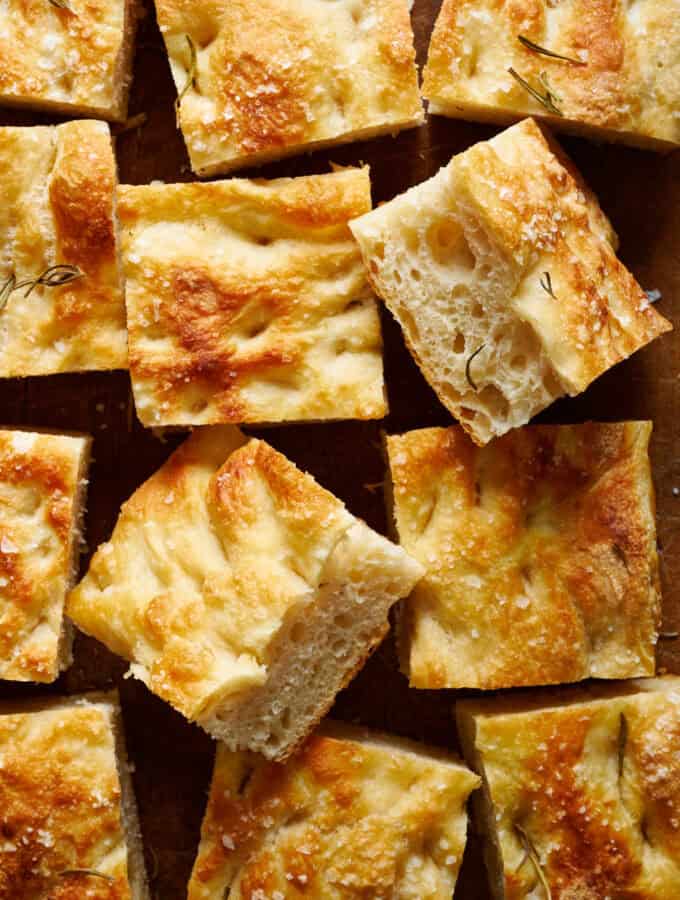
(459, 344)
(495, 401)
(448, 245)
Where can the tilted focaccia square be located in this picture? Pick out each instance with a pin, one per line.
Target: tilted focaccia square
(540, 551)
(42, 491)
(352, 815)
(68, 816)
(581, 794)
(248, 302)
(67, 56)
(243, 593)
(616, 74)
(292, 76)
(61, 297)
(502, 273)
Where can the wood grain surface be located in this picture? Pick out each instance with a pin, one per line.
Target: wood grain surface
(641, 193)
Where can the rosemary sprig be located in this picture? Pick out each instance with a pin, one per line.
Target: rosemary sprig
(546, 284)
(52, 276)
(530, 45)
(468, 364)
(548, 100)
(531, 854)
(90, 873)
(622, 741)
(191, 74)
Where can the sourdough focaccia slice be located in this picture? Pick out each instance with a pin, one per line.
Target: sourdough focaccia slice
(248, 301)
(68, 816)
(294, 76)
(61, 297)
(42, 498)
(540, 555)
(243, 593)
(502, 273)
(352, 815)
(70, 57)
(616, 74)
(581, 795)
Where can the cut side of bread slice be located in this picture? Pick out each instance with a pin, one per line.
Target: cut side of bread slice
(68, 806)
(352, 814)
(502, 273)
(241, 591)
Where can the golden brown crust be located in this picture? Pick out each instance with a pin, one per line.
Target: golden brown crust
(628, 88)
(298, 74)
(75, 60)
(60, 804)
(595, 784)
(208, 559)
(350, 816)
(540, 551)
(39, 518)
(248, 302)
(56, 200)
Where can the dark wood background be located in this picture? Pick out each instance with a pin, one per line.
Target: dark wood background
(173, 759)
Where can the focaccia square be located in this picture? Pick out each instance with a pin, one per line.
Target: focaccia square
(247, 301)
(42, 497)
(581, 795)
(242, 592)
(502, 273)
(540, 555)
(67, 56)
(603, 68)
(352, 815)
(257, 84)
(68, 817)
(61, 298)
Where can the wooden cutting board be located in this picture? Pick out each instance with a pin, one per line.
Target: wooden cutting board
(173, 760)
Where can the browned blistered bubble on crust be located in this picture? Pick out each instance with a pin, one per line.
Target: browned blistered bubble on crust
(40, 505)
(540, 553)
(593, 779)
(56, 208)
(60, 805)
(347, 817)
(74, 61)
(627, 87)
(300, 73)
(248, 301)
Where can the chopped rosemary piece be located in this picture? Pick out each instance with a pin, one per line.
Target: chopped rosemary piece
(530, 45)
(469, 363)
(5, 291)
(531, 854)
(61, 4)
(547, 100)
(90, 873)
(53, 276)
(669, 635)
(191, 74)
(620, 553)
(623, 740)
(546, 284)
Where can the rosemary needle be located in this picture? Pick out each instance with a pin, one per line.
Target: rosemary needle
(622, 741)
(531, 854)
(546, 284)
(191, 74)
(536, 48)
(61, 4)
(90, 873)
(471, 359)
(547, 100)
